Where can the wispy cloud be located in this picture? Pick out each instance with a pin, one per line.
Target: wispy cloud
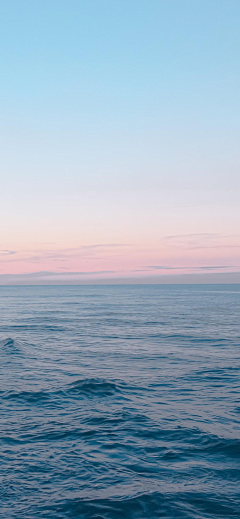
(5, 252)
(202, 241)
(83, 251)
(190, 236)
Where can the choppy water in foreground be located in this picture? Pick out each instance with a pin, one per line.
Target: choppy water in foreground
(120, 402)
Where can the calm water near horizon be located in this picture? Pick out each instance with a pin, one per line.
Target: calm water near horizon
(120, 402)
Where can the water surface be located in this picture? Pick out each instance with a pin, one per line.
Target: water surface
(120, 402)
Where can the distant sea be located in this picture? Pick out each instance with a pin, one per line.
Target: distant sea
(120, 402)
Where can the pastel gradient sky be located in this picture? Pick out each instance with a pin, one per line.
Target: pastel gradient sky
(119, 129)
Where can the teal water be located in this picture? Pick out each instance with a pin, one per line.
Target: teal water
(120, 402)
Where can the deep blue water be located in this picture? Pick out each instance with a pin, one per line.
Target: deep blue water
(120, 402)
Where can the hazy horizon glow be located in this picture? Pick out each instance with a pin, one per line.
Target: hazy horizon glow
(119, 130)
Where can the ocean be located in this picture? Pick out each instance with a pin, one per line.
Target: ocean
(120, 402)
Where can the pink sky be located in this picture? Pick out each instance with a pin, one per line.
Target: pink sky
(172, 255)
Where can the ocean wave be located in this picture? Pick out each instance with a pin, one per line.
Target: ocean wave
(10, 346)
(31, 397)
(93, 386)
(88, 387)
(145, 505)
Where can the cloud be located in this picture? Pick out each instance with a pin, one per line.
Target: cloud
(194, 236)
(103, 245)
(52, 277)
(116, 278)
(202, 241)
(83, 251)
(208, 267)
(6, 252)
(46, 273)
(219, 267)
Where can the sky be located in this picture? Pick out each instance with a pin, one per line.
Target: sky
(119, 137)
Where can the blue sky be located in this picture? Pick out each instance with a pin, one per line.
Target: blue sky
(119, 125)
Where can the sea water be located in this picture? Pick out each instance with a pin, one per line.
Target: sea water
(120, 402)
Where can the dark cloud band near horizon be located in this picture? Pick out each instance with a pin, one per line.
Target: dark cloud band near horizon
(111, 277)
(207, 267)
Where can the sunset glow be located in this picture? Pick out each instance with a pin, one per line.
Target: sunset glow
(120, 155)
